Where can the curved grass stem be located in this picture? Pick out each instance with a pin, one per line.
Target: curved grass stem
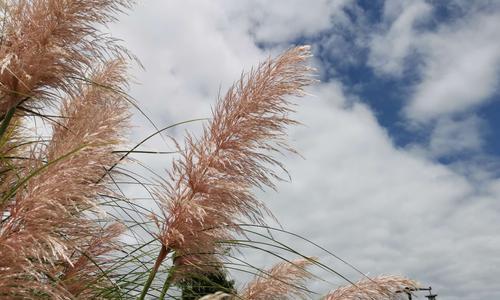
(167, 283)
(161, 256)
(6, 120)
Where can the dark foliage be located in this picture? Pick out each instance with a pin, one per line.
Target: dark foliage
(196, 287)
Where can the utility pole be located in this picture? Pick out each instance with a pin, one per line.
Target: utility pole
(409, 293)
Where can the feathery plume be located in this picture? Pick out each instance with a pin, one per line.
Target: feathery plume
(47, 225)
(85, 277)
(46, 44)
(210, 187)
(378, 288)
(283, 281)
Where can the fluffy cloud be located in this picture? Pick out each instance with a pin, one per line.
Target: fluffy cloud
(191, 50)
(282, 21)
(447, 59)
(461, 67)
(456, 136)
(386, 209)
(458, 62)
(390, 48)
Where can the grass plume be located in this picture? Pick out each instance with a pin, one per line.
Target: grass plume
(210, 187)
(377, 288)
(46, 222)
(47, 44)
(283, 281)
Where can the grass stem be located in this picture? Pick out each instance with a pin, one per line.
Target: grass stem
(168, 282)
(6, 120)
(161, 256)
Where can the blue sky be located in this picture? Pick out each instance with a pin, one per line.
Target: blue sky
(385, 94)
(400, 136)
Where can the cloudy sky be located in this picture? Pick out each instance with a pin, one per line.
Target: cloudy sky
(400, 143)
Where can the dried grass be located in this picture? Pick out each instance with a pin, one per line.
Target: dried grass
(47, 237)
(378, 288)
(283, 281)
(47, 44)
(47, 228)
(210, 190)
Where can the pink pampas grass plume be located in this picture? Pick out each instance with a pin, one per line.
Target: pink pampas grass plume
(47, 223)
(210, 187)
(48, 44)
(378, 288)
(283, 281)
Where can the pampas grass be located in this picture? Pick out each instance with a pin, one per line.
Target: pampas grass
(58, 238)
(211, 184)
(377, 288)
(209, 191)
(46, 224)
(47, 238)
(286, 280)
(47, 44)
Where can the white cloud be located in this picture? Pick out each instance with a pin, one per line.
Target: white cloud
(458, 63)
(456, 136)
(461, 67)
(284, 20)
(454, 65)
(189, 50)
(385, 209)
(390, 48)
